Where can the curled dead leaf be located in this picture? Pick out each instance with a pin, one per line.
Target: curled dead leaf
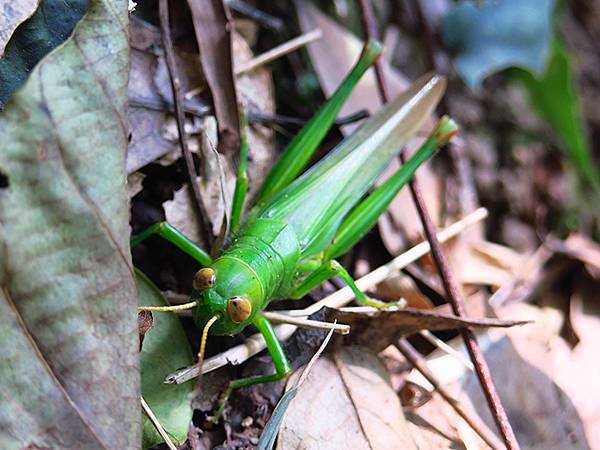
(379, 328)
(145, 323)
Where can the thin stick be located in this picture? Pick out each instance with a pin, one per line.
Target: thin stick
(178, 100)
(306, 323)
(270, 55)
(474, 422)
(279, 51)
(450, 285)
(434, 340)
(256, 343)
(157, 425)
(173, 308)
(313, 360)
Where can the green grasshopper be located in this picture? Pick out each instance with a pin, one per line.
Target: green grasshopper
(286, 244)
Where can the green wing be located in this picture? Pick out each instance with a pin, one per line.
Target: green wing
(317, 201)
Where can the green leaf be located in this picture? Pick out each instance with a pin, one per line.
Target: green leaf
(554, 96)
(269, 434)
(165, 349)
(50, 26)
(69, 346)
(498, 34)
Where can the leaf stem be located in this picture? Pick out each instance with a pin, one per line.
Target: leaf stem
(163, 433)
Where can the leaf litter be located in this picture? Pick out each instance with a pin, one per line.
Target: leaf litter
(525, 188)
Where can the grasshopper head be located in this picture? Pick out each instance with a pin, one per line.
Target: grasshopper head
(230, 290)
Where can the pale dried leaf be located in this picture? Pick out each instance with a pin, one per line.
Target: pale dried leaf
(145, 125)
(346, 402)
(213, 33)
(180, 213)
(583, 248)
(535, 372)
(70, 371)
(134, 184)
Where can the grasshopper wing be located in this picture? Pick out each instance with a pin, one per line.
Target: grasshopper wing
(316, 202)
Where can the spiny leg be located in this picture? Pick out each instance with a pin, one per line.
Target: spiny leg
(302, 147)
(364, 216)
(280, 361)
(241, 182)
(328, 270)
(175, 237)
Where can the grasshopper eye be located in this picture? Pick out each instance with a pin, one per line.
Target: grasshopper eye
(239, 309)
(204, 279)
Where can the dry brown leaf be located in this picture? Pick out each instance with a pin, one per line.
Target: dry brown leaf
(13, 13)
(256, 93)
(433, 426)
(134, 184)
(145, 323)
(146, 143)
(213, 26)
(584, 316)
(346, 402)
(547, 391)
(333, 55)
(378, 329)
(541, 411)
(400, 286)
(583, 248)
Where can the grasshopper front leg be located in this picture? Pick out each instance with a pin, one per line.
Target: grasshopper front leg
(169, 233)
(282, 366)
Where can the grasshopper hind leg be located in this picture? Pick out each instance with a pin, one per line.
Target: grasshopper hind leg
(330, 269)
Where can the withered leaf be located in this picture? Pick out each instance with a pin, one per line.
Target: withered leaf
(213, 33)
(346, 402)
(378, 329)
(69, 376)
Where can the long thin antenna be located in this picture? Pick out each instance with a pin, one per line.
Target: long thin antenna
(212, 320)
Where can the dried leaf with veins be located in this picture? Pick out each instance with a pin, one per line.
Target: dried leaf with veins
(67, 291)
(346, 402)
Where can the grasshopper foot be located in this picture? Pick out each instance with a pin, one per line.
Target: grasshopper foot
(373, 302)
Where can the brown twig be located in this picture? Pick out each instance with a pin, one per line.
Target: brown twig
(450, 286)
(474, 422)
(178, 102)
(254, 117)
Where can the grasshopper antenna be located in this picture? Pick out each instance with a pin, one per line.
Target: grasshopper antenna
(212, 320)
(203, 339)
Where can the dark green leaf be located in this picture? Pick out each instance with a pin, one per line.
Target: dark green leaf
(498, 34)
(69, 344)
(50, 26)
(554, 96)
(269, 434)
(165, 349)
